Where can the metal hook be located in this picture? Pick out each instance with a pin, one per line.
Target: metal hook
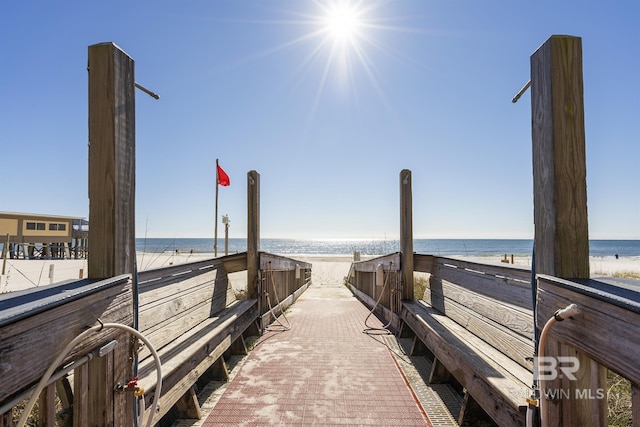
(147, 91)
(521, 91)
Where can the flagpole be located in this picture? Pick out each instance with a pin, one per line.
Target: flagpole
(215, 236)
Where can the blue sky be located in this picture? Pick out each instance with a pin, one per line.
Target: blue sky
(277, 86)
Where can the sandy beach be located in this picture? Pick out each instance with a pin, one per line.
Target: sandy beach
(326, 269)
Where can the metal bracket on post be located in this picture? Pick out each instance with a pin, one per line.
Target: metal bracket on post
(521, 92)
(147, 91)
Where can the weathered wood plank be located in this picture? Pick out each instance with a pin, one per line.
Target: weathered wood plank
(277, 262)
(422, 263)
(507, 272)
(80, 395)
(389, 262)
(152, 298)
(187, 347)
(121, 376)
(189, 360)
(46, 334)
(516, 346)
(497, 383)
(232, 263)
(498, 288)
(154, 280)
(208, 292)
(19, 305)
(180, 307)
(235, 263)
(47, 407)
(100, 396)
(513, 317)
(515, 276)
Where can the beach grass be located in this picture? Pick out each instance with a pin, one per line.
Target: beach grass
(241, 294)
(619, 400)
(420, 283)
(627, 275)
(62, 417)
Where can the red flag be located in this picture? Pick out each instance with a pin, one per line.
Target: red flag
(223, 178)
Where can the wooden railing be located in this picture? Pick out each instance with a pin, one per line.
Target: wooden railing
(282, 281)
(477, 322)
(365, 282)
(604, 334)
(36, 325)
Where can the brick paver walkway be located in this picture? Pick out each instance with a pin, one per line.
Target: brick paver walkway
(324, 371)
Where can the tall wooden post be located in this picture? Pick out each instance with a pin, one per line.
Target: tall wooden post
(111, 213)
(5, 251)
(406, 234)
(253, 233)
(111, 161)
(559, 165)
(560, 206)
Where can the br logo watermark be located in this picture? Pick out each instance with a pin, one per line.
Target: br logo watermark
(550, 368)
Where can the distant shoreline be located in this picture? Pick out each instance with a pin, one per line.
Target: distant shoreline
(375, 247)
(326, 268)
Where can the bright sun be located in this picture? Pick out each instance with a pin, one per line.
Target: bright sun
(342, 23)
(347, 40)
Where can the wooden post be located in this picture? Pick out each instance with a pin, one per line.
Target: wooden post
(111, 212)
(406, 235)
(47, 407)
(560, 208)
(559, 161)
(111, 161)
(253, 233)
(5, 251)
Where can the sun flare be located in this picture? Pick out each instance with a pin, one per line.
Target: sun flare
(342, 22)
(346, 42)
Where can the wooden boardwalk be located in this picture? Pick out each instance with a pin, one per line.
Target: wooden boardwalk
(323, 371)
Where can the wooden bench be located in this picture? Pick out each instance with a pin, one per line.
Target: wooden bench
(191, 316)
(477, 322)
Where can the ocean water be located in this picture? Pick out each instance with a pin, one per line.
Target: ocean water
(442, 247)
